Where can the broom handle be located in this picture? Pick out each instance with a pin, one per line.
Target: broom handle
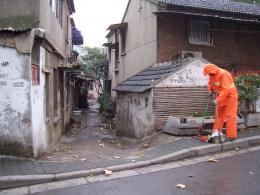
(217, 122)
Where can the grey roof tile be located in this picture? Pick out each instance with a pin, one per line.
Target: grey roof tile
(147, 78)
(218, 5)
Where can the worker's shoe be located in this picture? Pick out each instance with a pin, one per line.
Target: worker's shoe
(217, 137)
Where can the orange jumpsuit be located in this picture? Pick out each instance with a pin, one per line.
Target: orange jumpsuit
(222, 82)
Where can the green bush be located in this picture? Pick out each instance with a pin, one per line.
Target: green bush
(107, 108)
(247, 85)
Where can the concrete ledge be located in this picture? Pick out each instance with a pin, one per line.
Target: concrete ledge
(203, 150)
(23, 180)
(254, 140)
(18, 181)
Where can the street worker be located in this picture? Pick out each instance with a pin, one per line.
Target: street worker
(221, 82)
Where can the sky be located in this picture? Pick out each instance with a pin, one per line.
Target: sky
(92, 18)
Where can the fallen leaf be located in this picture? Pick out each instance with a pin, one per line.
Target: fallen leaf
(107, 172)
(102, 145)
(145, 145)
(251, 173)
(212, 160)
(117, 157)
(75, 156)
(182, 186)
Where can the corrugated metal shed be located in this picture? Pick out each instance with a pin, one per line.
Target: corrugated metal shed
(147, 78)
(217, 5)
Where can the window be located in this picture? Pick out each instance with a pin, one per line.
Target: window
(200, 32)
(123, 40)
(55, 90)
(47, 95)
(35, 74)
(35, 57)
(56, 6)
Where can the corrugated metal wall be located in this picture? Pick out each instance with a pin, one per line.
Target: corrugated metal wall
(170, 101)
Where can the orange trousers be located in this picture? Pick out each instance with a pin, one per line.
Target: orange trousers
(227, 112)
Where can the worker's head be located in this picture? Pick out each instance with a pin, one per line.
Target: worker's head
(210, 70)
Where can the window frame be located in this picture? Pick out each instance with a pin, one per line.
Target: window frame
(197, 34)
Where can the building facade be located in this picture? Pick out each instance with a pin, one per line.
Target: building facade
(35, 82)
(225, 33)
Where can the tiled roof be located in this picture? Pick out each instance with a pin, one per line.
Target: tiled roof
(147, 78)
(218, 5)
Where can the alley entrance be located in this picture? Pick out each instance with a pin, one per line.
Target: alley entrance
(87, 139)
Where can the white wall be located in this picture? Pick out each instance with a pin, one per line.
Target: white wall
(141, 38)
(15, 116)
(190, 75)
(38, 111)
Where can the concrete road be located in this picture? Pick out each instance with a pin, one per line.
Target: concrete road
(235, 174)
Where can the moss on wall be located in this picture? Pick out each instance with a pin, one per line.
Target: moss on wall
(20, 22)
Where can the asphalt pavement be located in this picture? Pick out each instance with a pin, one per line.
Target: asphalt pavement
(238, 174)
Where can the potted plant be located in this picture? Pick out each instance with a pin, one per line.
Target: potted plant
(247, 84)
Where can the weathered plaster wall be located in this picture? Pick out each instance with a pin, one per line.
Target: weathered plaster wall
(38, 115)
(19, 14)
(56, 33)
(140, 38)
(135, 115)
(190, 75)
(15, 112)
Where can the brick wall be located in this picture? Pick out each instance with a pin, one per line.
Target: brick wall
(229, 47)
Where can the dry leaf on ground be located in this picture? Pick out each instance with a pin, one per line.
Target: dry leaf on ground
(107, 172)
(102, 145)
(212, 160)
(145, 145)
(182, 186)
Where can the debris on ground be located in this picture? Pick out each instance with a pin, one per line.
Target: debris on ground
(182, 186)
(145, 145)
(83, 159)
(108, 172)
(117, 157)
(251, 173)
(75, 156)
(102, 145)
(212, 160)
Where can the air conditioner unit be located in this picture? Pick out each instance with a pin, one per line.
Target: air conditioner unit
(186, 54)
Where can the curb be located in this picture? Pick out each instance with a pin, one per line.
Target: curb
(25, 180)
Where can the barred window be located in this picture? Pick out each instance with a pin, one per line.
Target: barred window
(200, 32)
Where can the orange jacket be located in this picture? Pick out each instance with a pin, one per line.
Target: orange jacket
(220, 81)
